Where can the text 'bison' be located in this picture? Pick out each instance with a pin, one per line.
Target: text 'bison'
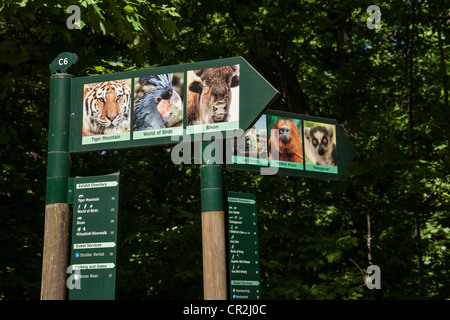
(209, 94)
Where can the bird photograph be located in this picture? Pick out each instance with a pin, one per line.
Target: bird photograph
(158, 102)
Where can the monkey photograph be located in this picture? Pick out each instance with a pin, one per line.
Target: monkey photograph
(287, 141)
(320, 144)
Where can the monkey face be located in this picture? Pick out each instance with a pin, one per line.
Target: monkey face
(285, 133)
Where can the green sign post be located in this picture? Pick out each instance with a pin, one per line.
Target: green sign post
(154, 107)
(134, 109)
(243, 247)
(57, 213)
(94, 237)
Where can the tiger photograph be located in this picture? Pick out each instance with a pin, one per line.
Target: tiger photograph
(106, 107)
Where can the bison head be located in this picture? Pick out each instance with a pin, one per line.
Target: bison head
(213, 87)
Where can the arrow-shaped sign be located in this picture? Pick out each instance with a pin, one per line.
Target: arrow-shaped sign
(158, 104)
(256, 95)
(293, 144)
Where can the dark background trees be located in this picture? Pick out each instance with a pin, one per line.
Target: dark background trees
(388, 88)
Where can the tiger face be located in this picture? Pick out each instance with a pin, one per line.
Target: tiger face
(106, 107)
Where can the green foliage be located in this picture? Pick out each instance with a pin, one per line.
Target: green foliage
(314, 235)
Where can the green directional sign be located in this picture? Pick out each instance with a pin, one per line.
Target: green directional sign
(293, 144)
(243, 247)
(156, 106)
(94, 237)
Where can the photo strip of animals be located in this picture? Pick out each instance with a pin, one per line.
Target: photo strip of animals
(290, 143)
(158, 101)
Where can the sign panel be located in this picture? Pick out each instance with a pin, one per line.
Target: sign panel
(94, 237)
(243, 247)
(303, 146)
(156, 106)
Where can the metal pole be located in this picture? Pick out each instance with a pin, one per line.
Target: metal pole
(57, 215)
(213, 228)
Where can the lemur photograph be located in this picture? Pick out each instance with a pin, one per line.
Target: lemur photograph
(320, 144)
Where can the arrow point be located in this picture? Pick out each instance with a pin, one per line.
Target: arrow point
(258, 95)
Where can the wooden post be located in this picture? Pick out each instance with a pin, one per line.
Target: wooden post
(213, 229)
(214, 257)
(56, 251)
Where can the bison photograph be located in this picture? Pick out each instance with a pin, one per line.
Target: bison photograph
(209, 95)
